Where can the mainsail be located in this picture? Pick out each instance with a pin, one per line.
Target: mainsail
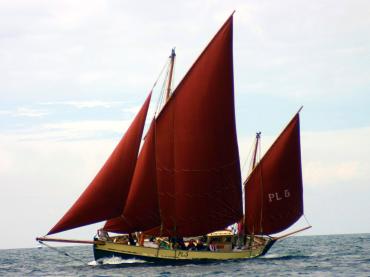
(273, 191)
(198, 171)
(104, 197)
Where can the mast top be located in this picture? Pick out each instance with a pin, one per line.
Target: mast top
(173, 54)
(170, 74)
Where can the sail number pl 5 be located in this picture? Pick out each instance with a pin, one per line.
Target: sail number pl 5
(276, 196)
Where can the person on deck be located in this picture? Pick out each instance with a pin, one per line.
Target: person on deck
(181, 243)
(200, 246)
(212, 246)
(131, 239)
(191, 245)
(102, 234)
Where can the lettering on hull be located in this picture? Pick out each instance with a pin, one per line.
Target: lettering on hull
(182, 254)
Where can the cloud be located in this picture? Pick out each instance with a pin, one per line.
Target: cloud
(40, 179)
(319, 173)
(133, 110)
(24, 112)
(52, 51)
(88, 126)
(76, 130)
(336, 157)
(86, 104)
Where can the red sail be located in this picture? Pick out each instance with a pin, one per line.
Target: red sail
(104, 197)
(141, 211)
(198, 171)
(273, 192)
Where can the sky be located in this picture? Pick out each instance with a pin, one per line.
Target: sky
(74, 73)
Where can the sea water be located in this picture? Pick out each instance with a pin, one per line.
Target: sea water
(334, 255)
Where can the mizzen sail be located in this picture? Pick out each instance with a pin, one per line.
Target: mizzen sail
(105, 196)
(273, 191)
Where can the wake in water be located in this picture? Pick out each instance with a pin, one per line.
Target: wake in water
(284, 256)
(115, 261)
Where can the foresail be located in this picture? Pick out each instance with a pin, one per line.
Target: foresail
(105, 196)
(273, 191)
(198, 169)
(141, 211)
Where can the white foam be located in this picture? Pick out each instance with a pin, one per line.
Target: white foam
(272, 256)
(115, 261)
(93, 263)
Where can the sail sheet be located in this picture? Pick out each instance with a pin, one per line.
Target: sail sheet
(198, 169)
(105, 196)
(141, 211)
(273, 191)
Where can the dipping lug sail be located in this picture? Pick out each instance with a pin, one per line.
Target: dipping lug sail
(104, 197)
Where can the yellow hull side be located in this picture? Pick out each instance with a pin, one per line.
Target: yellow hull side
(169, 254)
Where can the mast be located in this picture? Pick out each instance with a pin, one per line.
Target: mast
(170, 74)
(241, 223)
(258, 137)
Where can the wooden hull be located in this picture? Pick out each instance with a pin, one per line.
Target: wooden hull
(111, 249)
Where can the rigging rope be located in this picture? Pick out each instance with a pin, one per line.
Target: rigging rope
(306, 220)
(155, 83)
(261, 177)
(247, 158)
(162, 99)
(160, 74)
(63, 252)
(162, 92)
(160, 102)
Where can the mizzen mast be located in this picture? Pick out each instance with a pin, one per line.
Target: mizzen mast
(241, 223)
(258, 137)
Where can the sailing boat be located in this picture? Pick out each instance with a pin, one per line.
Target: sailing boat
(174, 198)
